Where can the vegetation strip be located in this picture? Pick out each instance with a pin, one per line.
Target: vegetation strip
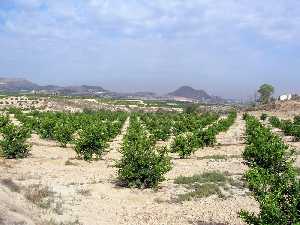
(89, 131)
(185, 144)
(272, 177)
(142, 164)
(289, 127)
(206, 184)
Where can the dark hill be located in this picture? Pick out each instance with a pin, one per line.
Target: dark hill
(189, 92)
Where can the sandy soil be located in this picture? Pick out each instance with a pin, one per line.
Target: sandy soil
(87, 192)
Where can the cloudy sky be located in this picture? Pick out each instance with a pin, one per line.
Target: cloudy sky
(227, 47)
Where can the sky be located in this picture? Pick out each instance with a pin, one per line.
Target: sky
(226, 47)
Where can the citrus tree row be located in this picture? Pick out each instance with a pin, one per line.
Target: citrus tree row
(271, 177)
(159, 125)
(89, 131)
(162, 125)
(13, 139)
(289, 127)
(142, 164)
(186, 143)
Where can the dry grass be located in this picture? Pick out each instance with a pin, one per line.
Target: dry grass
(200, 191)
(58, 208)
(53, 222)
(207, 184)
(220, 157)
(84, 192)
(213, 177)
(70, 163)
(208, 223)
(39, 195)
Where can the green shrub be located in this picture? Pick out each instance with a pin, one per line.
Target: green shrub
(13, 145)
(63, 133)
(4, 120)
(92, 142)
(275, 122)
(46, 127)
(141, 165)
(271, 178)
(14, 110)
(245, 116)
(191, 108)
(208, 136)
(28, 121)
(183, 145)
(277, 194)
(263, 116)
(158, 125)
(291, 128)
(297, 120)
(186, 143)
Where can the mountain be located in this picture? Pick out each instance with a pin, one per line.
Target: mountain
(82, 90)
(190, 93)
(183, 93)
(16, 84)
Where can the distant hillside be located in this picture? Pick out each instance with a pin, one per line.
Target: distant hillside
(189, 92)
(16, 84)
(81, 90)
(23, 85)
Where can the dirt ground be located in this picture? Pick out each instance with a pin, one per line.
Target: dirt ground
(86, 193)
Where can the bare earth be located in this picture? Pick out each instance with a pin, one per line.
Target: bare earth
(87, 192)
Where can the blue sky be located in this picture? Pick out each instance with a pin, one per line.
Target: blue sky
(227, 47)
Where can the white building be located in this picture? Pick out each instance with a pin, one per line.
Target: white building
(285, 97)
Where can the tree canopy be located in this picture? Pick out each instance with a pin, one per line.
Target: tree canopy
(265, 91)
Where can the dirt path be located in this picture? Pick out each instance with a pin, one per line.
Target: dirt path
(115, 146)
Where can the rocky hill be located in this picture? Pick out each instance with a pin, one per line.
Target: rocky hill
(190, 93)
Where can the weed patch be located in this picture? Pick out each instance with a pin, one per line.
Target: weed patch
(213, 177)
(206, 184)
(39, 195)
(219, 157)
(70, 163)
(201, 191)
(53, 222)
(84, 192)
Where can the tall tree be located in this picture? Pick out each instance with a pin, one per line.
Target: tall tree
(265, 91)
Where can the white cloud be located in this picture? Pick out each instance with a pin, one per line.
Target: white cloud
(275, 20)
